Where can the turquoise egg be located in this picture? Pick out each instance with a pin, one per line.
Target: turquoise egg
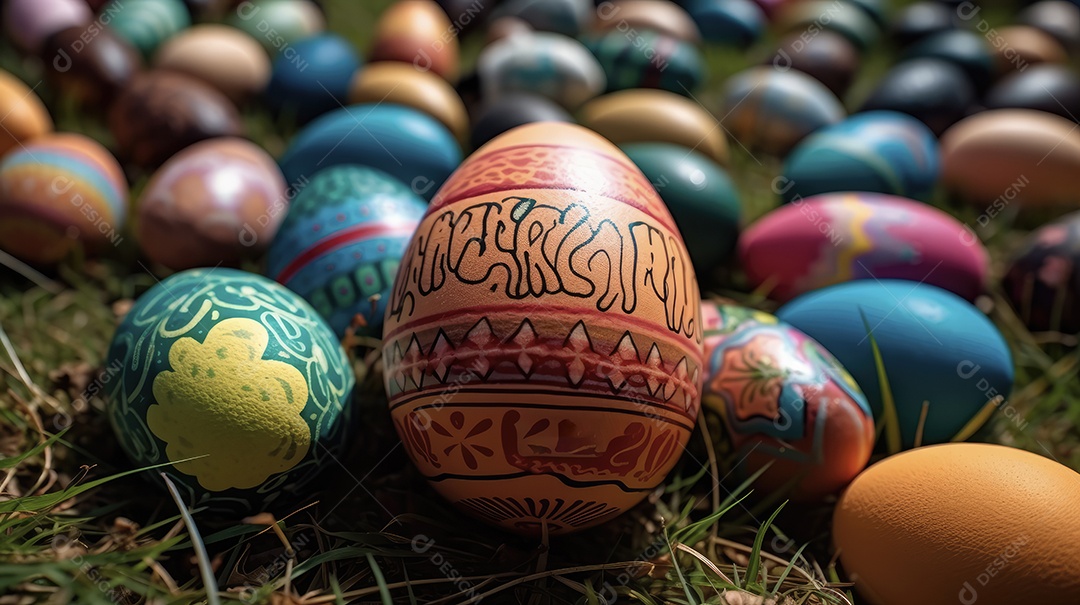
(964, 48)
(647, 60)
(567, 17)
(772, 110)
(700, 195)
(409, 145)
(277, 24)
(313, 78)
(235, 383)
(145, 24)
(342, 240)
(935, 347)
(737, 23)
(877, 151)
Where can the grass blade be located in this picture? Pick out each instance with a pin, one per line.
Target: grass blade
(755, 554)
(891, 421)
(207, 572)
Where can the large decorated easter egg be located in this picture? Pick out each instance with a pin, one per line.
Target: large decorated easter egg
(548, 290)
(234, 380)
(28, 23)
(90, 63)
(555, 66)
(700, 195)
(1059, 18)
(950, 515)
(420, 33)
(721, 318)
(278, 24)
(162, 112)
(1046, 87)
(787, 403)
(1043, 278)
(657, 16)
(566, 17)
(647, 60)
(342, 241)
(405, 84)
(737, 23)
(845, 18)
(880, 151)
(59, 192)
(827, 57)
(937, 351)
(411, 146)
(936, 92)
(146, 24)
(964, 48)
(834, 238)
(26, 114)
(656, 116)
(227, 58)
(1022, 156)
(510, 111)
(315, 79)
(772, 110)
(216, 202)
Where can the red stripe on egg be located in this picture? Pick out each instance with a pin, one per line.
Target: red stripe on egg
(341, 238)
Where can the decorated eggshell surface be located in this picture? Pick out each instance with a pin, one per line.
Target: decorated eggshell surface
(1043, 279)
(224, 57)
(239, 371)
(1022, 155)
(411, 146)
(145, 24)
(935, 347)
(936, 92)
(342, 241)
(547, 289)
(665, 18)
(289, 20)
(93, 71)
(720, 319)
(313, 81)
(974, 522)
(555, 66)
(59, 192)
(26, 116)
(838, 237)
(655, 116)
(1047, 87)
(737, 23)
(162, 112)
(405, 84)
(417, 32)
(772, 110)
(787, 403)
(878, 151)
(217, 202)
(669, 64)
(827, 57)
(28, 23)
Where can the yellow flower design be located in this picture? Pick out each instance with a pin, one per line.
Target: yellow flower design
(223, 401)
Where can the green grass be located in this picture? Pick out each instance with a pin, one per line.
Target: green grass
(73, 526)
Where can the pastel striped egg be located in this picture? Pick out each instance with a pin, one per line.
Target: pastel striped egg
(147, 23)
(342, 241)
(59, 192)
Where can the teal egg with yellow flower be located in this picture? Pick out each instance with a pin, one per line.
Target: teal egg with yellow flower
(234, 384)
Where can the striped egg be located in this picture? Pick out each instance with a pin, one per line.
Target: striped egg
(58, 192)
(146, 23)
(342, 240)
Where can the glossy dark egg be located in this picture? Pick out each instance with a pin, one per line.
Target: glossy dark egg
(1043, 279)
(827, 57)
(737, 23)
(92, 72)
(1059, 18)
(512, 111)
(920, 20)
(934, 91)
(966, 49)
(1052, 88)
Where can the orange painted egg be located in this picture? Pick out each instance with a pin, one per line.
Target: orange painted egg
(543, 338)
(418, 32)
(25, 115)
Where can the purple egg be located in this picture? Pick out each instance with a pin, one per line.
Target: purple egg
(30, 22)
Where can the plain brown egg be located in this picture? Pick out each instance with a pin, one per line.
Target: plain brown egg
(224, 57)
(404, 84)
(418, 32)
(24, 116)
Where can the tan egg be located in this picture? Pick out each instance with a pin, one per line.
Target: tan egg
(1005, 156)
(658, 16)
(418, 32)
(24, 116)
(643, 115)
(1017, 46)
(404, 84)
(962, 523)
(224, 57)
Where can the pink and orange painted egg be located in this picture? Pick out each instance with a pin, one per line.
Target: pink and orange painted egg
(543, 337)
(59, 192)
(787, 401)
(839, 237)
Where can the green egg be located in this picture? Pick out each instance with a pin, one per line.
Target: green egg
(234, 380)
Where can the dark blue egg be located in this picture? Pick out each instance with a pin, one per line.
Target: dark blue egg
(312, 77)
(511, 111)
(1046, 87)
(877, 151)
(567, 17)
(647, 60)
(737, 23)
(936, 92)
(935, 347)
(411, 146)
(964, 48)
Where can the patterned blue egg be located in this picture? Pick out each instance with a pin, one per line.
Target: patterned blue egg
(235, 384)
(409, 145)
(145, 24)
(935, 347)
(647, 60)
(878, 151)
(342, 240)
(312, 77)
(737, 23)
